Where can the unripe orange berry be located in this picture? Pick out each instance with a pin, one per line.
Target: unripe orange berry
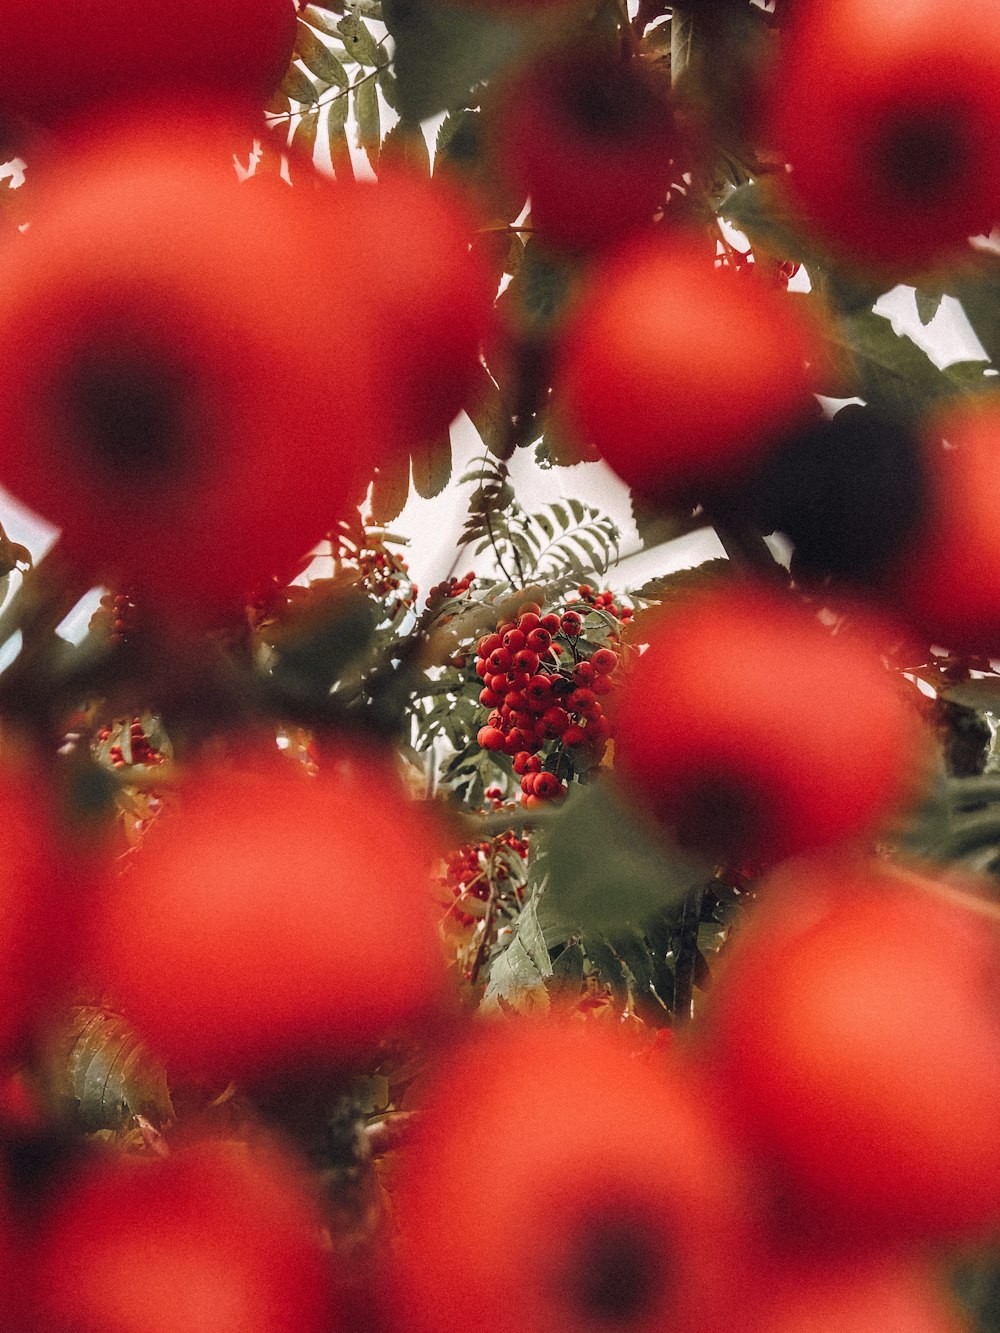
(854, 1041)
(204, 1241)
(627, 1212)
(681, 375)
(273, 922)
(734, 727)
(55, 66)
(164, 412)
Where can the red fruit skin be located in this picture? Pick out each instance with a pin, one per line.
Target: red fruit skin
(591, 141)
(601, 1137)
(741, 713)
(148, 312)
(889, 120)
(947, 583)
(854, 1297)
(204, 1241)
(42, 905)
(55, 66)
(854, 1045)
(423, 300)
(679, 374)
(274, 923)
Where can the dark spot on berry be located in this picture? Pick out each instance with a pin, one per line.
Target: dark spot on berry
(721, 816)
(617, 1271)
(923, 155)
(130, 410)
(609, 100)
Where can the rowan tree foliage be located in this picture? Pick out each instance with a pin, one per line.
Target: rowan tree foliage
(534, 951)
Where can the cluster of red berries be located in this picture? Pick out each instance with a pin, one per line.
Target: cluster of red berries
(116, 616)
(534, 699)
(141, 751)
(603, 601)
(447, 590)
(477, 869)
(384, 573)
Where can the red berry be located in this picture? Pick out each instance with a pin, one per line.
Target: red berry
(207, 1238)
(539, 640)
(107, 52)
(747, 759)
(571, 624)
(148, 309)
(628, 1212)
(889, 123)
(855, 1040)
(677, 404)
(590, 140)
(253, 885)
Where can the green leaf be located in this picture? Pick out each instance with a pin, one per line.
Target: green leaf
(529, 932)
(319, 60)
(567, 972)
(340, 149)
(515, 982)
(680, 584)
(105, 1072)
(489, 415)
(891, 371)
(298, 87)
(404, 148)
(304, 138)
(359, 44)
(979, 293)
(606, 868)
(441, 52)
(431, 466)
(928, 304)
(386, 81)
(366, 112)
(391, 488)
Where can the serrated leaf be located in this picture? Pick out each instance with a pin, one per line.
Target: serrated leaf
(319, 60)
(431, 466)
(515, 982)
(386, 81)
(106, 1073)
(404, 148)
(298, 86)
(567, 972)
(891, 371)
(366, 113)
(488, 413)
(682, 583)
(391, 488)
(442, 52)
(359, 44)
(606, 868)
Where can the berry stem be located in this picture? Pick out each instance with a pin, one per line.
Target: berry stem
(686, 955)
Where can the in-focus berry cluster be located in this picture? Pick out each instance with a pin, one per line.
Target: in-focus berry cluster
(478, 871)
(543, 683)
